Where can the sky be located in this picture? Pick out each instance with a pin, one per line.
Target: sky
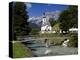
(37, 9)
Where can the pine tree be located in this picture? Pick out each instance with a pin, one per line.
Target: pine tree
(19, 19)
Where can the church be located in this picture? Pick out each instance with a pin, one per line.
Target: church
(46, 27)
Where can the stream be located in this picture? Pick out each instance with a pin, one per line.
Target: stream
(38, 49)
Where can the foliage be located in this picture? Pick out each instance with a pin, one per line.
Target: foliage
(19, 19)
(69, 18)
(34, 31)
(52, 22)
(56, 27)
(20, 51)
(73, 40)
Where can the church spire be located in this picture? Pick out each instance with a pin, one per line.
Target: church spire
(44, 15)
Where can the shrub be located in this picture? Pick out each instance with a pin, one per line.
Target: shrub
(73, 40)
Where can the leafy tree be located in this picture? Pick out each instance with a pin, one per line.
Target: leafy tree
(19, 19)
(52, 21)
(34, 31)
(69, 18)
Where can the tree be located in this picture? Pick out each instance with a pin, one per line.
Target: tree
(52, 21)
(19, 19)
(34, 31)
(69, 18)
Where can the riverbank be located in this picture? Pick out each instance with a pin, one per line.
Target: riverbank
(20, 51)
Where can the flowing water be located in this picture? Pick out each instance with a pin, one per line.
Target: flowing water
(38, 49)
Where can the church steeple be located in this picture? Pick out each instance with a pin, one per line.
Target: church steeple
(44, 15)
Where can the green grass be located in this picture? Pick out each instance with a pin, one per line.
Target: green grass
(51, 35)
(20, 51)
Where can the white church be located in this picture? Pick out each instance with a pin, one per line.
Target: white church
(46, 27)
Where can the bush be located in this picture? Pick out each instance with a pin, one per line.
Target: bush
(73, 40)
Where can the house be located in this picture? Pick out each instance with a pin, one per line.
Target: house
(73, 29)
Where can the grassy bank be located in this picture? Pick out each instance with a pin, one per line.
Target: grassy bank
(20, 51)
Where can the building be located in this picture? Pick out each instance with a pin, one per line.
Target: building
(45, 24)
(73, 30)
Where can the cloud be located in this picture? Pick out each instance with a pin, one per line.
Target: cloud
(34, 18)
(29, 5)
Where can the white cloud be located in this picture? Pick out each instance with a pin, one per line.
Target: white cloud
(29, 5)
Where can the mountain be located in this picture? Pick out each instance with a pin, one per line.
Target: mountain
(33, 25)
(36, 22)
